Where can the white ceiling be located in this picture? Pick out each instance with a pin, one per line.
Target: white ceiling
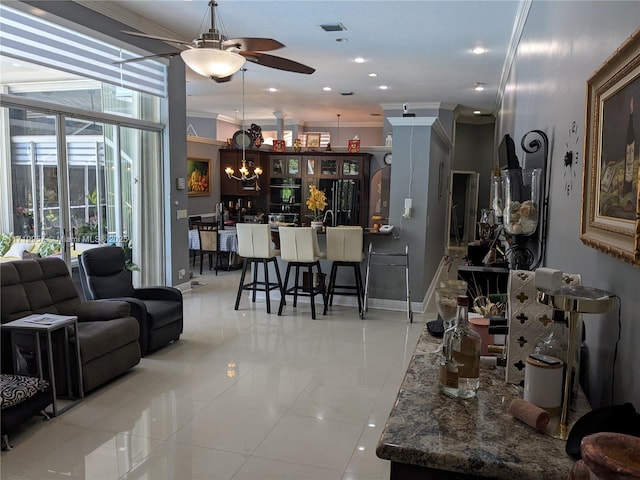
(420, 49)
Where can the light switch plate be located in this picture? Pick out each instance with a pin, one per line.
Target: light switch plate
(181, 183)
(181, 214)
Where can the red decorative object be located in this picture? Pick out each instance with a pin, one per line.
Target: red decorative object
(354, 146)
(279, 146)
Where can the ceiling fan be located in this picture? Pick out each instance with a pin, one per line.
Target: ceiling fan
(215, 56)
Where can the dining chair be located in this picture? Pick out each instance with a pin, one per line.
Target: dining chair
(299, 248)
(193, 225)
(208, 234)
(254, 245)
(344, 248)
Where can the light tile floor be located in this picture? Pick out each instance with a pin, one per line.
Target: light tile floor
(243, 395)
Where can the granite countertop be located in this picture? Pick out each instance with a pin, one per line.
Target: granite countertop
(471, 436)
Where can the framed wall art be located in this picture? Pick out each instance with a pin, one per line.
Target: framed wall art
(610, 217)
(313, 140)
(198, 176)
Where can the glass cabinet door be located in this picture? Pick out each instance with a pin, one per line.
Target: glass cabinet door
(350, 167)
(329, 167)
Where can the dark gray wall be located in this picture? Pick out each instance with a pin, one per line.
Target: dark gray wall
(474, 152)
(562, 44)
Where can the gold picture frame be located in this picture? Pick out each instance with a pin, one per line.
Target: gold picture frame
(610, 216)
(313, 140)
(198, 177)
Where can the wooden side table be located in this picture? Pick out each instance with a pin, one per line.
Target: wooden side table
(41, 327)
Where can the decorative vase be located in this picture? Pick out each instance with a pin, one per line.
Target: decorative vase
(317, 225)
(611, 456)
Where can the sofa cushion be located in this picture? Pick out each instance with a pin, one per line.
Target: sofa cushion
(100, 338)
(37, 286)
(15, 389)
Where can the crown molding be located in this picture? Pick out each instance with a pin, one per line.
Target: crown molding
(123, 15)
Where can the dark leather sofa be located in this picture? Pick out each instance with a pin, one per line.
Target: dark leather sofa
(159, 310)
(107, 334)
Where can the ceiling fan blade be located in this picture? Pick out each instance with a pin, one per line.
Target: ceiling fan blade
(278, 63)
(139, 59)
(253, 43)
(154, 37)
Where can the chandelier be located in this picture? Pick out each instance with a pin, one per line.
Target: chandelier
(245, 139)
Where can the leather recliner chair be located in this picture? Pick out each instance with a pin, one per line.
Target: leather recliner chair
(159, 310)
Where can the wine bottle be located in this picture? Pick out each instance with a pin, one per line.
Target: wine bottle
(629, 153)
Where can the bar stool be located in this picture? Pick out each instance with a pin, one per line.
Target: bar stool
(344, 247)
(254, 244)
(299, 247)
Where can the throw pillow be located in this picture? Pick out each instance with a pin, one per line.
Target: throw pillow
(6, 239)
(17, 249)
(49, 246)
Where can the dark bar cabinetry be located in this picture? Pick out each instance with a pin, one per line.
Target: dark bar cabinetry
(344, 177)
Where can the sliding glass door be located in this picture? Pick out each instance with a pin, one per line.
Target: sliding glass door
(76, 183)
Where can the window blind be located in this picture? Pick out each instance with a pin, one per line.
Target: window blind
(33, 39)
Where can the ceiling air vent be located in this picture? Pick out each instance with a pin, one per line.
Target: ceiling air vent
(333, 27)
(346, 94)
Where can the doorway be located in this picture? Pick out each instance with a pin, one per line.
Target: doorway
(463, 207)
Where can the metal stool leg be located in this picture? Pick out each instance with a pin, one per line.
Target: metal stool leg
(366, 286)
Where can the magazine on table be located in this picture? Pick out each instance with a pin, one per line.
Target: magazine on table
(47, 319)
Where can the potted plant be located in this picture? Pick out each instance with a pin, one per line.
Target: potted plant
(316, 202)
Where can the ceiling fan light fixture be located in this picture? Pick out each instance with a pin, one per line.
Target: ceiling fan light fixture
(213, 62)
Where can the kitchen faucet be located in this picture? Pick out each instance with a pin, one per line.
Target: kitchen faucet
(333, 218)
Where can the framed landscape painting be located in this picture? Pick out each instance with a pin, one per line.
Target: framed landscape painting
(198, 176)
(610, 192)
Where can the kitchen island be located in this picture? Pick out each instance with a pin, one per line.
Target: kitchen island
(431, 436)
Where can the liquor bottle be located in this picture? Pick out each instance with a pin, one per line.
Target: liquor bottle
(629, 153)
(460, 362)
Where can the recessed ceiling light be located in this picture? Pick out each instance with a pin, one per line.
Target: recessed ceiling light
(340, 40)
(272, 89)
(358, 60)
(479, 50)
(373, 74)
(478, 87)
(326, 89)
(383, 87)
(477, 112)
(361, 448)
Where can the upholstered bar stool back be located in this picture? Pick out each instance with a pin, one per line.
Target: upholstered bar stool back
(299, 248)
(254, 245)
(344, 248)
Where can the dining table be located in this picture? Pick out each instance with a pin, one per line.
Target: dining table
(227, 239)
